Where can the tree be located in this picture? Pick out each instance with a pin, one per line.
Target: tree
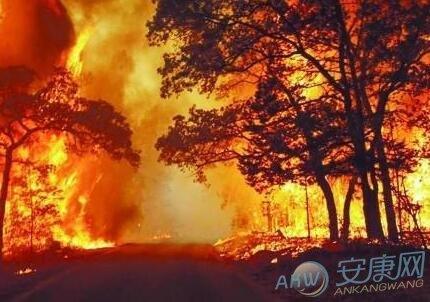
(363, 53)
(275, 137)
(32, 208)
(346, 208)
(55, 108)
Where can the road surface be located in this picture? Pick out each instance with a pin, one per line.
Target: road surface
(135, 273)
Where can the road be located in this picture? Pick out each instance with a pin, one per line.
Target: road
(136, 273)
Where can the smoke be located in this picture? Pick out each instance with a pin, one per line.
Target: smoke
(35, 34)
(119, 66)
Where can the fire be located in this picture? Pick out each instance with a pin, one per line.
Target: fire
(74, 62)
(77, 235)
(25, 271)
(419, 189)
(295, 210)
(293, 213)
(63, 194)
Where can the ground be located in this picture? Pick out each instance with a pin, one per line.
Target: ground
(169, 272)
(135, 273)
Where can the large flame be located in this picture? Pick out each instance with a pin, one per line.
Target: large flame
(76, 234)
(69, 197)
(74, 62)
(63, 193)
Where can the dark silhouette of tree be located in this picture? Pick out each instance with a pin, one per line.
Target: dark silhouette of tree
(55, 108)
(275, 137)
(346, 208)
(366, 54)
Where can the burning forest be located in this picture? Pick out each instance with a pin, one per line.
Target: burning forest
(254, 129)
(333, 110)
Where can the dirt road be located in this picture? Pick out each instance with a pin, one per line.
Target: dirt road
(135, 273)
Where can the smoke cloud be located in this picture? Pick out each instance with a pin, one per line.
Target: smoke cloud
(35, 34)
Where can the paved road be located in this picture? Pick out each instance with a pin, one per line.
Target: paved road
(137, 273)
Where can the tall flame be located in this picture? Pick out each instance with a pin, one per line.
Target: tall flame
(74, 62)
(77, 235)
(63, 175)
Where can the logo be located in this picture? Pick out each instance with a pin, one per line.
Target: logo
(359, 275)
(309, 279)
(380, 274)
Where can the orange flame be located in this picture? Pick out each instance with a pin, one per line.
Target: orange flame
(53, 153)
(74, 62)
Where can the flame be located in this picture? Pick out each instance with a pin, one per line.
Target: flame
(70, 199)
(419, 188)
(288, 209)
(77, 235)
(65, 181)
(25, 271)
(74, 62)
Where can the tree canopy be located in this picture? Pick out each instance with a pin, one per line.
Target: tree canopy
(364, 61)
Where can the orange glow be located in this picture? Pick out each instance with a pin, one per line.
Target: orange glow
(54, 154)
(165, 197)
(25, 271)
(74, 62)
(65, 182)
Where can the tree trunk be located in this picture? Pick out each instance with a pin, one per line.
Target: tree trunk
(308, 218)
(372, 215)
(347, 207)
(390, 213)
(318, 167)
(3, 195)
(331, 207)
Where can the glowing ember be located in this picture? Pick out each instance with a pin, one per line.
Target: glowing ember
(161, 237)
(245, 246)
(25, 271)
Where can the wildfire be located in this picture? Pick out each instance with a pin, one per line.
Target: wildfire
(58, 197)
(59, 192)
(55, 199)
(77, 235)
(25, 271)
(74, 62)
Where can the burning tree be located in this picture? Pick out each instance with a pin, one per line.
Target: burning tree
(33, 211)
(368, 56)
(276, 137)
(55, 108)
